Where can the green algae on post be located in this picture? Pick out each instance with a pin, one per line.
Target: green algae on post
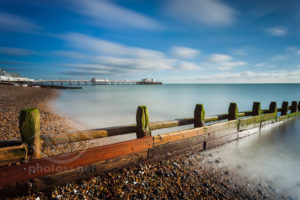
(29, 124)
(284, 108)
(199, 115)
(273, 107)
(294, 107)
(256, 108)
(142, 122)
(233, 111)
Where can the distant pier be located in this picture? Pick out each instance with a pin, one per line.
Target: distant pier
(74, 84)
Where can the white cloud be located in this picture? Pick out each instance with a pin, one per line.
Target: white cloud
(10, 22)
(298, 52)
(107, 13)
(70, 54)
(220, 58)
(230, 65)
(184, 52)
(264, 65)
(251, 77)
(15, 51)
(242, 51)
(121, 58)
(189, 66)
(208, 12)
(277, 31)
(223, 62)
(279, 57)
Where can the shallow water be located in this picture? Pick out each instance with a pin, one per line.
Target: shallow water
(271, 157)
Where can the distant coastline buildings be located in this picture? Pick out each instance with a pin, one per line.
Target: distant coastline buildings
(6, 76)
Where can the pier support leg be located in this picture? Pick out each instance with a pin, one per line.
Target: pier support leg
(294, 107)
(142, 122)
(232, 111)
(29, 124)
(284, 108)
(256, 108)
(199, 115)
(60, 83)
(273, 107)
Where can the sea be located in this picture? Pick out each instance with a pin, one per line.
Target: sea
(271, 157)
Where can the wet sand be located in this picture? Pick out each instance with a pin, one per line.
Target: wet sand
(193, 176)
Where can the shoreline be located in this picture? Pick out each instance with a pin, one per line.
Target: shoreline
(182, 177)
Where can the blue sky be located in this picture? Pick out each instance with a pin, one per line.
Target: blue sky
(175, 41)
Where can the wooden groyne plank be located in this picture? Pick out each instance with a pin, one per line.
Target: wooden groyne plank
(50, 165)
(49, 140)
(172, 137)
(221, 140)
(95, 169)
(15, 153)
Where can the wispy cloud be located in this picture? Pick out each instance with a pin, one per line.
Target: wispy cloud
(10, 22)
(279, 57)
(118, 58)
(250, 77)
(184, 52)
(277, 31)
(70, 54)
(189, 66)
(220, 58)
(242, 51)
(264, 65)
(207, 12)
(15, 51)
(223, 62)
(108, 13)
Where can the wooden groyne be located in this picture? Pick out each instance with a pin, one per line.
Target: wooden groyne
(22, 165)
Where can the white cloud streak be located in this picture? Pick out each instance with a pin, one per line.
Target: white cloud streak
(207, 12)
(10, 22)
(15, 51)
(251, 77)
(184, 52)
(107, 13)
(277, 31)
(121, 58)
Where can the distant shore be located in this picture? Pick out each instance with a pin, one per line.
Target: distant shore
(192, 176)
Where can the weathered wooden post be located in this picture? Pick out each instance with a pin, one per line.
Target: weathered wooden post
(294, 107)
(256, 108)
(142, 122)
(29, 124)
(284, 108)
(232, 111)
(273, 107)
(199, 115)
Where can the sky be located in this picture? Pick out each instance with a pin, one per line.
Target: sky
(174, 41)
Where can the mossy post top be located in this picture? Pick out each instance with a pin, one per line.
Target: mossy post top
(284, 108)
(29, 125)
(142, 122)
(233, 111)
(199, 115)
(256, 108)
(294, 107)
(273, 107)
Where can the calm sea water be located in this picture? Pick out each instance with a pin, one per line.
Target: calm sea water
(111, 105)
(270, 157)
